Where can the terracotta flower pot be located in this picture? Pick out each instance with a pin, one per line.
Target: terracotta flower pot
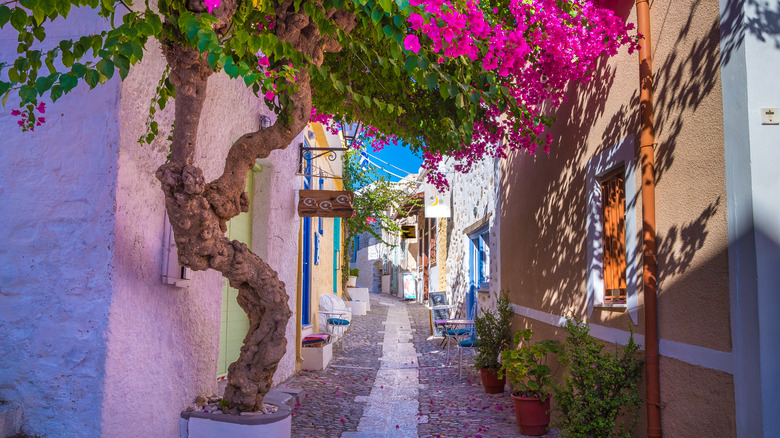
(532, 415)
(491, 382)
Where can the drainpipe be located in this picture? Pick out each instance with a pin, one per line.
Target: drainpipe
(649, 283)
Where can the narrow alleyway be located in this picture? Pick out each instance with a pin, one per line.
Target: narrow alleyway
(388, 378)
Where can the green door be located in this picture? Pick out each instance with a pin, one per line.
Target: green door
(234, 323)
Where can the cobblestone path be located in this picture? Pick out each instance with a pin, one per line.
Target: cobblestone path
(389, 378)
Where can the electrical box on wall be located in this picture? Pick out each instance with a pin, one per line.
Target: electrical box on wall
(172, 272)
(770, 116)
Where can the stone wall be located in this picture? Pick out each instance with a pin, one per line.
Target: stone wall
(473, 201)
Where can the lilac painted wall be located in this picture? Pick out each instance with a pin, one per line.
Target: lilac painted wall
(91, 342)
(163, 341)
(57, 188)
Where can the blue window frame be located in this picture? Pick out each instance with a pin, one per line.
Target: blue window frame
(336, 252)
(479, 268)
(319, 219)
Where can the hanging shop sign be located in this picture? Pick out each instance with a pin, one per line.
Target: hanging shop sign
(437, 204)
(325, 203)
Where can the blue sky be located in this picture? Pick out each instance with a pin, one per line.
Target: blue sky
(398, 156)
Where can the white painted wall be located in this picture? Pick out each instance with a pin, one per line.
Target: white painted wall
(750, 52)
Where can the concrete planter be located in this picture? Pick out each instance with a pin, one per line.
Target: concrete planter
(316, 358)
(200, 425)
(358, 307)
(352, 281)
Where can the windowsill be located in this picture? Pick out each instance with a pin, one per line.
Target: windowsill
(612, 307)
(483, 291)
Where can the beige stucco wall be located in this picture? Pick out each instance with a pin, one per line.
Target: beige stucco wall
(544, 203)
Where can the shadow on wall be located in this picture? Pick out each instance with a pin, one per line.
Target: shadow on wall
(549, 214)
(762, 22)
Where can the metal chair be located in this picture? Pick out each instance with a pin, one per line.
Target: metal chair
(468, 343)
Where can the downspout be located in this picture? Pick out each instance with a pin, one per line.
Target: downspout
(649, 283)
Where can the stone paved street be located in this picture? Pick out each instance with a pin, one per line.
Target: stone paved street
(389, 378)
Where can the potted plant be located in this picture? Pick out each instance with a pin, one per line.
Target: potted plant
(600, 396)
(353, 275)
(531, 379)
(494, 331)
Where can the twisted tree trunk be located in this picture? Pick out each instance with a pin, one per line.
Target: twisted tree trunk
(199, 211)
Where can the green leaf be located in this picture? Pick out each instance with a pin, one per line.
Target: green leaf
(4, 87)
(145, 28)
(92, 77)
(108, 5)
(43, 83)
(123, 64)
(56, 93)
(39, 33)
(38, 15)
(444, 92)
(230, 68)
(154, 21)
(63, 7)
(431, 79)
(376, 15)
(68, 82)
(5, 97)
(105, 67)
(18, 19)
(387, 5)
(423, 62)
(27, 94)
(402, 4)
(67, 58)
(411, 64)
(5, 15)
(388, 30)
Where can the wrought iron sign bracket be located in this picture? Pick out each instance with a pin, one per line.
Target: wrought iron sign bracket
(305, 153)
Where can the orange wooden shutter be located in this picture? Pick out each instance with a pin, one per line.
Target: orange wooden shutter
(613, 196)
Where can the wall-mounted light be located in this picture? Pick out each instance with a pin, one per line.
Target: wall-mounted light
(350, 131)
(265, 122)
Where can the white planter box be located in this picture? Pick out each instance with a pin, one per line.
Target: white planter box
(316, 358)
(360, 294)
(200, 425)
(358, 307)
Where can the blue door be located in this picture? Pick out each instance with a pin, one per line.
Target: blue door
(306, 236)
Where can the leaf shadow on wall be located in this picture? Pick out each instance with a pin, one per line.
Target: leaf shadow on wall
(548, 215)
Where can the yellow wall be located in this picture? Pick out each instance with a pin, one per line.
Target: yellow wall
(322, 273)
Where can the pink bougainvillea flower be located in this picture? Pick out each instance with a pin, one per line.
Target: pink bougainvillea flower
(264, 61)
(20, 123)
(212, 4)
(270, 95)
(416, 20)
(412, 43)
(15, 112)
(41, 107)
